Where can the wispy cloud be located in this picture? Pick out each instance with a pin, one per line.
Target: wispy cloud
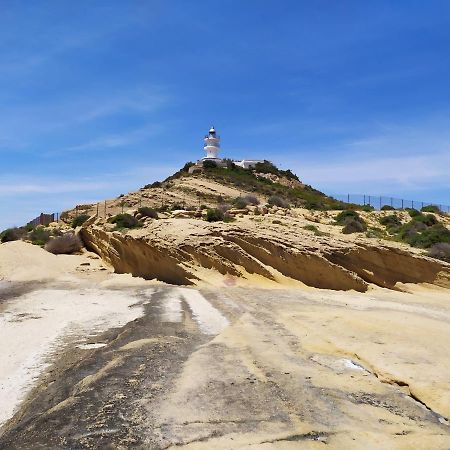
(411, 158)
(112, 140)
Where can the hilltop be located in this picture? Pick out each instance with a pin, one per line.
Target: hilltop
(213, 186)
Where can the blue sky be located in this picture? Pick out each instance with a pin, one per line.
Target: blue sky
(100, 98)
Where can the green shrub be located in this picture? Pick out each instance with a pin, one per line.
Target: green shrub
(11, 234)
(367, 208)
(354, 226)
(214, 215)
(124, 221)
(392, 223)
(145, 211)
(430, 236)
(427, 219)
(352, 221)
(39, 236)
(274, 200)
(79, 220)
(375, 233)
(240, 202)
(343, 217)
(208, 164)
(413, 212)
(387, 208)
(431, 209)
(315, 230)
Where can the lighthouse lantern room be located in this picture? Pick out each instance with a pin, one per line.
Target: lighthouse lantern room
(212, 144)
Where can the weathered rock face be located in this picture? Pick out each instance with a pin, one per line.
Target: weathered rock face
(182, 251)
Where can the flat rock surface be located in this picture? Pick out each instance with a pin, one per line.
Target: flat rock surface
(169, 367)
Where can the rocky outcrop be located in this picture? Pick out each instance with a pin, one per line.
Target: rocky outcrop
(182, 251)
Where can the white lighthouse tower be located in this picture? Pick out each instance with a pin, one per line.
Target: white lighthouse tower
(212, 144)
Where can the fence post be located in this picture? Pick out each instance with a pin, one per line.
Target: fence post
(105, 209)
(364, 199)
(348, 198)
(370, 201)
(402, 204)
(97, 209)
(380, 203)
(392, 202)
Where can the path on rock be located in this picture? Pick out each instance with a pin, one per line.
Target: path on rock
(239, 368)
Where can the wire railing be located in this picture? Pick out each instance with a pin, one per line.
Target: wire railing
(378, 201)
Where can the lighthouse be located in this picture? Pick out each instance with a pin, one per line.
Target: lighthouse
(212, 144)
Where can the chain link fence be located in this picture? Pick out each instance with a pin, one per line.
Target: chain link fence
(378, 202)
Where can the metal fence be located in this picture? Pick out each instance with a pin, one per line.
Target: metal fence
(378, 201)
(44, 219)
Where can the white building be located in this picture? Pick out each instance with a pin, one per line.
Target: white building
(212, 147)
(212, 144)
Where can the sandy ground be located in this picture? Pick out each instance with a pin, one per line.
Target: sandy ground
(95, 360)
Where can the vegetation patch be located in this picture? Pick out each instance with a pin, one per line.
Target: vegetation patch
(392, 223)
(431, 209)
(66, 244)
(12, 234)
(441, 250)
(123, 221)
(145, 211)
(387, 208)
(40, 236)
(376, 233)
(315, 230)
(352, 222)
(217, 215)
(275, 200)
(79, 220)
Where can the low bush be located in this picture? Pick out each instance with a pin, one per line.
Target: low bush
(11, 234)
(431, 209)
(39, 236)
(441, 250)
(431, 235)
(352, 221)
(354, 226)
(277, 222)
(367, 208)
(392, 223)
(251, 200)
(145, 211)
(124, 221)
(427, 219)
(413, 212)
(345, 216)
(376, 233)
(387, 208)
(207, 164)
(274, 200)
(79, 220)
(315, 230)
(214, 215)
(66, 244)
(240, 202)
